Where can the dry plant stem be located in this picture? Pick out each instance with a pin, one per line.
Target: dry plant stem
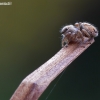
(34, 84)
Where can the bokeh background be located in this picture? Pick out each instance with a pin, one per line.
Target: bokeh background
(29, 36)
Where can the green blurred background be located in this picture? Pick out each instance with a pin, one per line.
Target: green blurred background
(29, 36)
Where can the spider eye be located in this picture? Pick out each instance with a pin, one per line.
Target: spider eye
(65, 30)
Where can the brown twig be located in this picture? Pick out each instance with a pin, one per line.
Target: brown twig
(34, 84)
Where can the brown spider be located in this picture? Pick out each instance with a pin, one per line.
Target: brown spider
(77, 32)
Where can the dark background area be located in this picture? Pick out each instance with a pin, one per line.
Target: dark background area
(29, 36)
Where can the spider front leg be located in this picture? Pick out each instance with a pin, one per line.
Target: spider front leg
(65, 42)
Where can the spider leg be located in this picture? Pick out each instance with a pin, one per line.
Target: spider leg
(81, 26)
(76, 25)
(88, 41)
(80, 35)
(86, 33)
(65, 42)
(82, 38)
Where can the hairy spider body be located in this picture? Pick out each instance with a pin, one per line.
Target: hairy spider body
(77, 32)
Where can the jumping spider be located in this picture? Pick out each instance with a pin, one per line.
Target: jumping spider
(77, 33)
